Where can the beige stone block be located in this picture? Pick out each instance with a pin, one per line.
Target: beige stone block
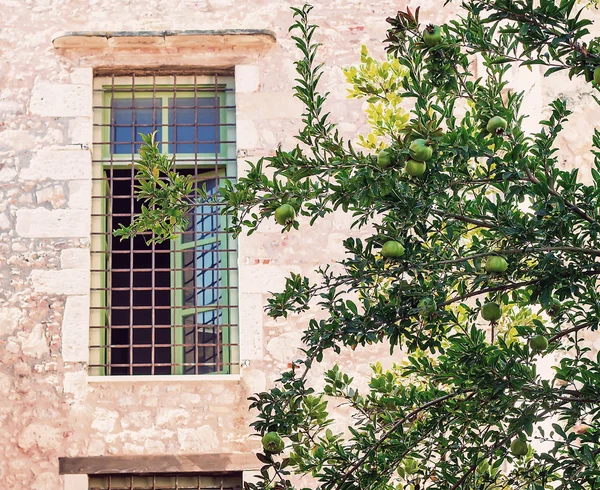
(255, 380)
(172, 416)
(59, 223)
(70, 281)
(285, 347)
(45, 481)
(18, 139)
(247, 78)
(61, 100)
(35, 344)
(268, 105)
(5, 384)
(264, 278)
(104, 420)
(75, 328)
(251, 326)
(7, 174)
(246, 134)
(81, 131)
(75, 258)
(152, 446)
(76, 482)
(80, 195)
(59, 163)
(198, 440)
(54, 195)
(75, 384)
(82, 76)
(9, 320)
(41, 435)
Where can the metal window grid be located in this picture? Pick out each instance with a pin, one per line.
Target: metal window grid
(165, 482)
(166, 308)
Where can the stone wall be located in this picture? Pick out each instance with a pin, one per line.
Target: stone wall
(48, 406)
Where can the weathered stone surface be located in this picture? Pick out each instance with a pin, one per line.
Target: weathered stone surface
(198, 440)
(61, 100)
(45, 147)
(247, 78)
(75, 258)
(9, 320)
(71, 281)
(60, 223)
(80, 195)
(64, 163)
(75, 329)
(251, 333)
(35, 344)
(75, 384)
(260, 106)
(53, 195)
(39, 434)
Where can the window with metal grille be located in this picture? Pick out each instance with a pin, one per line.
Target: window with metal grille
(168, 308)
(166, 482)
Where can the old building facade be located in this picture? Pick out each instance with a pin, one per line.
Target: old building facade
(79, 78)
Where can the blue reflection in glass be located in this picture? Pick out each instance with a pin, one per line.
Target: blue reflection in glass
(130, 117)
(196, 125)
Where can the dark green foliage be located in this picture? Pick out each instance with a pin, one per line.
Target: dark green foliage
(446, 418)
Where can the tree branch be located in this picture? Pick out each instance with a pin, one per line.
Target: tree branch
(525, 250)
(393, 429)
(571, 330)
(577, 210)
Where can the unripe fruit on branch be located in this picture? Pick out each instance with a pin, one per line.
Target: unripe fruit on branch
(491, 312)
(496, 264)
(432, 35)
(519, 448)
(272, 443)
(285, 214)
(392, 249)
(384, 158)
(420, 150)
(539, 343)
(414, 168)
(497, 125)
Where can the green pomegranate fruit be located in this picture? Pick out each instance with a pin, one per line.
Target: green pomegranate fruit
(420, 150)
(497, 125)
(414, 168)
(272, 443)
(392, 249)
(491, 312)
(539, 343)
(432, 35)
(285, 214)
(554, 307)
(427, 307)
(384, 158)
(496, 264)
(519, 448)
(597, 75)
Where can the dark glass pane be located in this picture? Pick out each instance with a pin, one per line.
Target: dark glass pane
(131, 117)
(196, 125)
(134, 270)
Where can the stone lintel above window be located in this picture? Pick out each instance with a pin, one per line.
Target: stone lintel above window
(214, 48)
(141, 464)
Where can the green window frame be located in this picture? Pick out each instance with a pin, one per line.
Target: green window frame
(164, 91)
